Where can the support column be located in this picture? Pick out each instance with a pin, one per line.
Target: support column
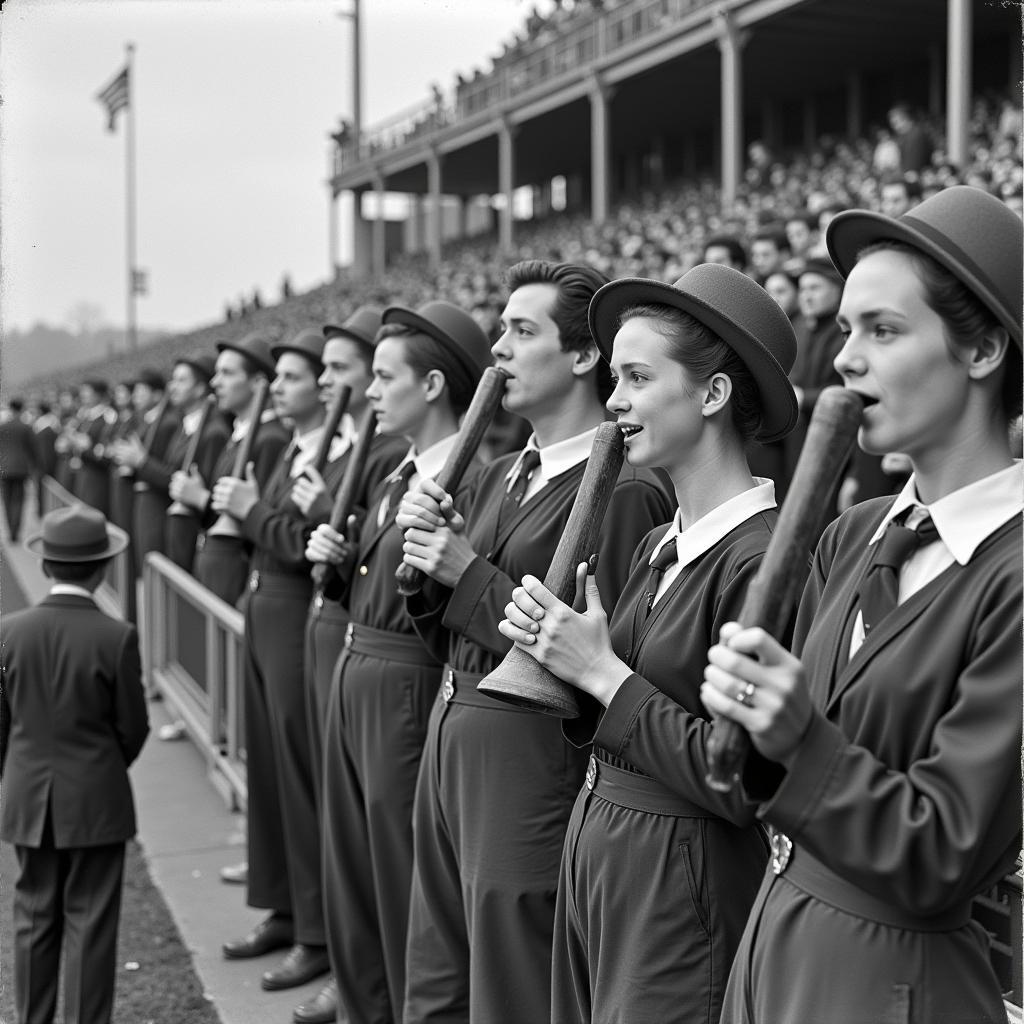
(958, 79)
(332, 234)
(854, 105)
(379, 264)
(600, 150)
(731, 41)
(506, 163)
(362, 243)
(435, 214)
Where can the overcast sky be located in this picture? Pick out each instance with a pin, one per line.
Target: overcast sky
(233, 102)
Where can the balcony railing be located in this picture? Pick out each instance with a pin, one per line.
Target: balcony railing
(579, 45)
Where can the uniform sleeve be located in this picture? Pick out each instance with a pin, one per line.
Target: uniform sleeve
(921, 838)
(658, 735)
(284, 532)
(131, 716)
(478, 602)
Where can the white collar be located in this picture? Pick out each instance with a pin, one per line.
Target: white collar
(559, 457)
(966, 517)
(70, 590)
(704, 534)
(428, 463)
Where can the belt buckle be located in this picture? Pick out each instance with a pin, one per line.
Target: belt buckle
(591, 772)
(782, 851)
(448, 685)
(350, 632)
(254, 580)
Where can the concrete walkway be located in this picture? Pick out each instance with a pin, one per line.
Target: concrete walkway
(187, 834)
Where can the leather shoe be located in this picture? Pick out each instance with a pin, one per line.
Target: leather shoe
(235, 874)
(273, 933)
(321, 1009)
(302, 964)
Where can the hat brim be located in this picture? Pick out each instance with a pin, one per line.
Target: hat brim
(337, 331)
(778, 400)
(410, 318)
(853, 230)
(117, 541)
(227, 346)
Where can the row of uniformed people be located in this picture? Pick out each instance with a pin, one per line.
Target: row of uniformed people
(888, 758)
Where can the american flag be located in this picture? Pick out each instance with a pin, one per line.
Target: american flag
(115, 97)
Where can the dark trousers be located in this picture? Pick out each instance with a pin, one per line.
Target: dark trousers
(180, 535)
(325, 640)
(92, 485)
(148, 522)
(70, 897)
(376, 725)
(12, 491)
(494, 795)
(282, 820)
(222, 565)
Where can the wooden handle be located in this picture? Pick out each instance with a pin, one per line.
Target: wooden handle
(776, 588)
(194, 441)
(478, 418)
(334, 414)
(345, 499)
(519, 679)
(256, 407)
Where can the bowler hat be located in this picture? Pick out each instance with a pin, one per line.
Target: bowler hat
(362, 325)
(737, 309)
(972, 234)
(823, 267)
(77, 533)
(201, 363)
(452, 327)
(255, 346)
(308, 342)
(151, 378)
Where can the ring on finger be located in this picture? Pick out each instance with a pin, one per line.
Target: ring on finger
(746, 695)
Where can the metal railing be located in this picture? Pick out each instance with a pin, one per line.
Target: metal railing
(194, 654)
(116, 594)
(560, 50)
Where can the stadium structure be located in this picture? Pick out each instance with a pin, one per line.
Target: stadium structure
(622, 96)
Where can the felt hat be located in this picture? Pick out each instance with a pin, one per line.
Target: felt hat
(737, 309)
(823, 267)
(975, 236)
(77, 533)
(308, 342)
(201, 363)
(452, 327)
(362, 325)
(151, 378)
(255, 346)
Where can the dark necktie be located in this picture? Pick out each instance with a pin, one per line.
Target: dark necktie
(397, 486)
(515, 492)
(665, 558)
(879, 592)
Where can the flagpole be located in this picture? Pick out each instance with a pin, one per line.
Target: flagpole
(131, 338)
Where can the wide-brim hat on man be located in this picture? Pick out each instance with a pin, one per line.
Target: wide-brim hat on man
(362, 326)
(737, 309)
(452, 327)
(308, 342)
(255, 346)
(77, 533)
(201, 364)
(975, 236)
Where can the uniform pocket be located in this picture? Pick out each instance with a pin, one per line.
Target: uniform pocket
(691, 880)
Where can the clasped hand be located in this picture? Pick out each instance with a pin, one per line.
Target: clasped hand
(435, 541)
(575, 646)
(129, 452)
(189, 487)
(234, 496)
(309, 494)
(328, 546)
(752, 679)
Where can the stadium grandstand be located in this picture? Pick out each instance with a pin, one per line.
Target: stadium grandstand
(625, 133)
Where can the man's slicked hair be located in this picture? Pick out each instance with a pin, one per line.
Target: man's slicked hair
(576, 284)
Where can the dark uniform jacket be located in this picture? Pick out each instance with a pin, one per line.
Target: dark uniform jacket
(74, 699)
